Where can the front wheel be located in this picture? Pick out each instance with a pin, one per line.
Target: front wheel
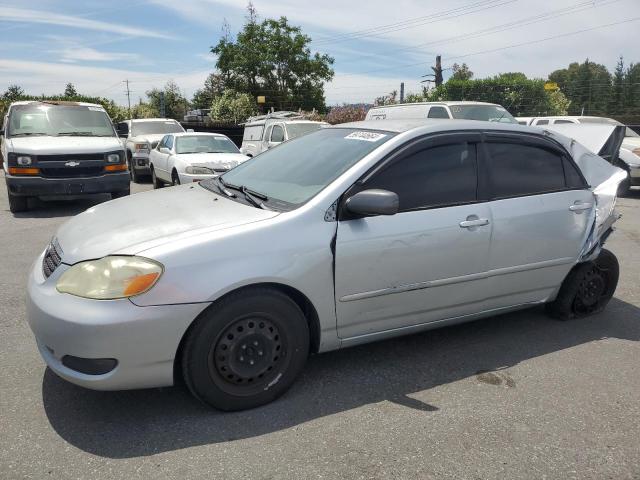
(246, 350)
(587, 289)
(175, 178)
(135, 177)
(157, 183)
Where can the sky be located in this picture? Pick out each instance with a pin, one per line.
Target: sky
(376, 44)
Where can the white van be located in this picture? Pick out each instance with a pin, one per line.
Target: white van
(267, 131)
(52, 148)
(452, 110)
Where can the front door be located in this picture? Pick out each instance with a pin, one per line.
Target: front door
(428, 261)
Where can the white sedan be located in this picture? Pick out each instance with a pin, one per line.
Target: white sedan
(191, 157)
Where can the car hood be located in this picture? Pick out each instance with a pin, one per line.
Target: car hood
(214, 160)
(46, 145)
(132, 224)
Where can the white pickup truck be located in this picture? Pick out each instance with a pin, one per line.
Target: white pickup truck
(140, 137)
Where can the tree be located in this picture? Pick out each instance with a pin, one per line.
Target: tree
(587, 85)
(347, 113)
(144, 110)
(389, 99)
(272, 58)
(232, 107)
(175, 105)
(461, 72)
(70, 91)
(13, 93)
(213, 87)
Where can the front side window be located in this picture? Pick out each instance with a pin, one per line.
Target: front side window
(438, 112)
(519, 170)
(155, 128)
(558, 122)
(434, 177)
(542, 122)
(205, 144)
(169, 142)
(48, 119)
(297, 170)
(277, 134)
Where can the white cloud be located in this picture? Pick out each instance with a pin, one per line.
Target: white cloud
(86, 54)
(23, 15)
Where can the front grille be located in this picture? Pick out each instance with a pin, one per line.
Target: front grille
(71, 172)
(52, 258)
(154, 144)
(67, 158)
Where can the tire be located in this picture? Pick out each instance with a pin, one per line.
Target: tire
(625, 187)
(121, 193)
(245, 350)
(18, 204)
(157, 183)
(587, 289)
(135, 177)
(175, 179)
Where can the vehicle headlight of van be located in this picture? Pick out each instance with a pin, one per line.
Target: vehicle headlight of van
(110, 277)
(113, 158)
(193, 170)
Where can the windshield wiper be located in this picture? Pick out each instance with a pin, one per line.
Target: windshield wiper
(255, 198)
(222, 187)
(26, 134)
(85, 134)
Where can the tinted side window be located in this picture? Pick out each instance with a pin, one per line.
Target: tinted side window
(562, 121)
(542, 122)
(434, 177)
(161, 143)
(573, 178)
(518, 170)
(168, 142)
(438, 112)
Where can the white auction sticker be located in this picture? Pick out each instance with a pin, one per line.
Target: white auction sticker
(96, 109)
(365, 136)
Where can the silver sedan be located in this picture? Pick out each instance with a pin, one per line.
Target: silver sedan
(347, 235)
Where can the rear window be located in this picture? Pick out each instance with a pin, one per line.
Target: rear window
(253, 133)
(155, 128)
(486, 113)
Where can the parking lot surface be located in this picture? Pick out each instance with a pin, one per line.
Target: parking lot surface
(513, 396)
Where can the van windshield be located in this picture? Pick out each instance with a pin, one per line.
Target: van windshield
(155, 128)
(298, 129)
(486, 113)
(44, 119)
(294, 172)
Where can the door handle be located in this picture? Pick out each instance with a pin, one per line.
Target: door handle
(579, 207)
(478, 222)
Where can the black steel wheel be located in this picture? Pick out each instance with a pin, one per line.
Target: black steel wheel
(157, 183)
(587, 289)
(246, 349)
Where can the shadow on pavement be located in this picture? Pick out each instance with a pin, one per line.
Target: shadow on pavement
(44, 208)
(138, 423)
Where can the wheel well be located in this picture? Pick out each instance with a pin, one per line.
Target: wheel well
(297, 296)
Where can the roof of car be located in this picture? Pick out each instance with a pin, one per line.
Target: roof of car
(197, 134)
(57, 102)
(436, 125)
(152, 120)
(461, 102)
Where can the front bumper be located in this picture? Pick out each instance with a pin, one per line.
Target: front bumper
(143, 340)
(34, 186)
(140, 161)
(188, 178)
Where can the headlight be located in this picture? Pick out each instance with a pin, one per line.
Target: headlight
(23, 160)
(140, 146)
(113, 158)
(110, 277)
(199, 170)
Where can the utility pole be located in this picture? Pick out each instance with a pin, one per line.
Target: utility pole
(128, 96)
(437, 70)
(402, 92)
(162, 107)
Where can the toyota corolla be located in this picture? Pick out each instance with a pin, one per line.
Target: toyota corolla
(350, 234)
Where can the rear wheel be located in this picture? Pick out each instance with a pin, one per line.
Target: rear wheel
(157, 183)
(245, 350)
(135, 177)
(587, 289)
(18, 203)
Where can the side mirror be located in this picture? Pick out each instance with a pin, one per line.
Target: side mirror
(164, 150)
(190, 130)
(373, 202)
(273, 144)
(122, 129)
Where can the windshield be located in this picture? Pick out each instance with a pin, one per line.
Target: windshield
(299, 129)
(58, 120)
(487, 113)
(205, 144)
(155, 128)
(295, 171)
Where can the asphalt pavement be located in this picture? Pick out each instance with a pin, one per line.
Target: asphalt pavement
(512, 396)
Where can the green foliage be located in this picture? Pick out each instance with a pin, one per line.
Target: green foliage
(175, 105)
(70, 91)
(347, 113)
(232, 107)
(272, 58)
(388, 99)
(144, 110)
(213, 87)
(587, 85)
(461, 72)
(13, 93)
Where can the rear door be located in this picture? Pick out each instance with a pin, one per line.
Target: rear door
(426, 262)
(541, 209)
